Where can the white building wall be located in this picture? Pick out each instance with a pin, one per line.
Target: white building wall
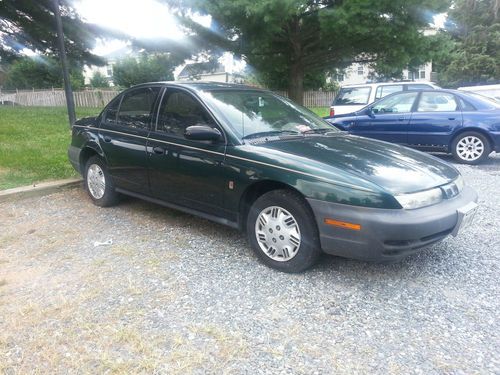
(359, 73)
(106, 71)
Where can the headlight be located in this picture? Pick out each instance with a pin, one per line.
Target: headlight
(420, 199)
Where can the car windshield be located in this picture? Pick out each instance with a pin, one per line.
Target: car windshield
(353, 96)
(254, 114)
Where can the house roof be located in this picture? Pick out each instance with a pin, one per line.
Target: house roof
(195, 69)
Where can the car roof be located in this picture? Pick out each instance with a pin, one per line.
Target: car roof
(374, 84)
(201, 85)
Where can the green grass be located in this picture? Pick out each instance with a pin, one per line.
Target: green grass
(321, 111)
(34, 143)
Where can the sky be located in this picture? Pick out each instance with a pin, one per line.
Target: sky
(146, 19)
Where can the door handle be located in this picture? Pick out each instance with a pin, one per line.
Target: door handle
(451, 118)
(107, 139)
(401, 118)
(158, 150)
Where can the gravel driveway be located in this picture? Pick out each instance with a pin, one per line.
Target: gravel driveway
(177, 294)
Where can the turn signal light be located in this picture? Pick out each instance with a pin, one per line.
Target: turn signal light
(343, 224)
(332, 112)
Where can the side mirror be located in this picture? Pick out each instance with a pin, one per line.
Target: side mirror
(370, 111)
(202, 133)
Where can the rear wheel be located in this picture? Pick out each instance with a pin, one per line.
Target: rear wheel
(470, 148)
(99, 184)
(282, 231)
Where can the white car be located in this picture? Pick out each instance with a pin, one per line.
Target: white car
(491, 91)
(352, 98)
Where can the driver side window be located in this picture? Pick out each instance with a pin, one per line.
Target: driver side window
(180, 110)
(401, 103)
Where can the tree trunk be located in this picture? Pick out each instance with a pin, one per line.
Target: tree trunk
(296, 79)
(296, 85)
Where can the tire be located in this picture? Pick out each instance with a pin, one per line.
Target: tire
(282, 231)
(470, 148)
(96, 175)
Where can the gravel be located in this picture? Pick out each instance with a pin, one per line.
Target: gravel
(178, 294)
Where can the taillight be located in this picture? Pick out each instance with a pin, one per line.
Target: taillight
(332, 112)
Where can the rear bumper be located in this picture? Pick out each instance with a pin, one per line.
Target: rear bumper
(74, 157)
(387, 234)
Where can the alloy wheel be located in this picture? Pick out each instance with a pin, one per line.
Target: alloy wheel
(96, 181)
(278, 233)
(470, 148)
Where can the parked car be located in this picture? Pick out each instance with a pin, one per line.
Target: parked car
(464, 124)
(491, 91)
(352, 98)
(253, 160)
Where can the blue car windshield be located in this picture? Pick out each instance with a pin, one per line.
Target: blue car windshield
(252, 112)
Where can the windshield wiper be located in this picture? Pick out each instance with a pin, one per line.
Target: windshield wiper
(319, 131)
(271, 133)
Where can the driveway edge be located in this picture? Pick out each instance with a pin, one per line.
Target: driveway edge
(38, 190)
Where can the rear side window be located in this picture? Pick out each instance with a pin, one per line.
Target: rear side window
(466, 106)
(437, 102)
(136, 108)
(353, 96)
(386, 90)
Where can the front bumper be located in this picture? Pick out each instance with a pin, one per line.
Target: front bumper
(387, 234)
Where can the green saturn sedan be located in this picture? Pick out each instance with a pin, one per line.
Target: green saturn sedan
(255, 161)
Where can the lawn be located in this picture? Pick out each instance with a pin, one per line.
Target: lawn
(34, 142)
(321, 111)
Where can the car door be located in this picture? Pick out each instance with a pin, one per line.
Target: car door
(183, 171)
(387, 119)
(437, 114)
(123, 135)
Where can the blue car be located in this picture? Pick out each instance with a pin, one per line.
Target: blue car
(464, 124)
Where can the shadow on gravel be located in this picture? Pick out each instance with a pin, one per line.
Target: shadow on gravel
(421, 263)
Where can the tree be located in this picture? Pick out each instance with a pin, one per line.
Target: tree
(146, 68)
(39, 72)
(292, 38)
(99, 80)
(473, 32)
(27, 24)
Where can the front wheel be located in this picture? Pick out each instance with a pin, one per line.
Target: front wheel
(282, 231)
(99, 184)
(470, 148)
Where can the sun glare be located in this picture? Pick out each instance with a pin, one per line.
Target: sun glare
(146, 19)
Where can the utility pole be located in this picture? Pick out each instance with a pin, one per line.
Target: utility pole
(70, 103)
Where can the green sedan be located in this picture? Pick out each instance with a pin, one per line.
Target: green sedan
(255, 161)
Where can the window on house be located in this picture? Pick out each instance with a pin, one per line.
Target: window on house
(361, 70)
(421, 73)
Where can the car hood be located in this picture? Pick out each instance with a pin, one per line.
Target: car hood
(86, 121)
(349, 158)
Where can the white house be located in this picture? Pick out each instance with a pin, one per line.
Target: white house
(361, 73)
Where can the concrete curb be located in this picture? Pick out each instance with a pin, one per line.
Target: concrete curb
(39, 190)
